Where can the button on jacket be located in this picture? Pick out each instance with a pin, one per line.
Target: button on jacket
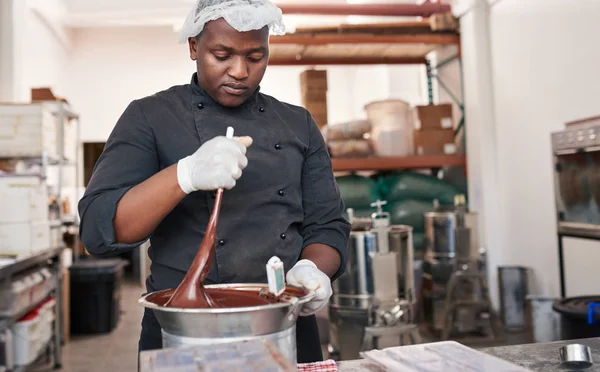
(286, 199)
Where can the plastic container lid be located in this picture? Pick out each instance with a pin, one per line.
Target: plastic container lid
(28, 281)
(37, 278)
(46, 273)
(18, 286)
(575, 307)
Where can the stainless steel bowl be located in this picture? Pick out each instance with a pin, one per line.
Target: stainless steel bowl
(237, 322)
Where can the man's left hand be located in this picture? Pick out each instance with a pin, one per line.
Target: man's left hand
(306, 274)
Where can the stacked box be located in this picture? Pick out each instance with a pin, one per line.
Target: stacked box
(24, 225)
(434, 130)
(314, 94)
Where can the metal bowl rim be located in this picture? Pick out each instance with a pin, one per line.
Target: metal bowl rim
(234, 310)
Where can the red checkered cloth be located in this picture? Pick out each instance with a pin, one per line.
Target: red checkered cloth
(326, 366)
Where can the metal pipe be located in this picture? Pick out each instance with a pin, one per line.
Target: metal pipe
(322, 61)
(438, 39)
(397, 10)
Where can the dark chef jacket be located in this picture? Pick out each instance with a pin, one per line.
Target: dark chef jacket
(286, 199)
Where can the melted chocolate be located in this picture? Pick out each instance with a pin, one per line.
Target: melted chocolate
(228, 297)
(191, 293)
(220, 297)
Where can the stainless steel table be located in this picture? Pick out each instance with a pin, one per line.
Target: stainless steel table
(541, 357)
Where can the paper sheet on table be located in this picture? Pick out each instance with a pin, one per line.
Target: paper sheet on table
(447, 356)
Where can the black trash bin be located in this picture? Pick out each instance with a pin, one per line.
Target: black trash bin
(95, 295)
(574, 317)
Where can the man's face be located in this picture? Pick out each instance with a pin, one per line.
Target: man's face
(230, 64)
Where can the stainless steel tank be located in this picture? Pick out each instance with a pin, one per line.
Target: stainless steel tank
(445, 239)
(275, 323)
(451, 239)
(367, 294)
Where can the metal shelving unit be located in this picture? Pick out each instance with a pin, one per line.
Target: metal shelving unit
(52, 170)
(59, 164)
(51, 259)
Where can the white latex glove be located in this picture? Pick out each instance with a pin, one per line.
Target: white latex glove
(306, 274)
(218, 163)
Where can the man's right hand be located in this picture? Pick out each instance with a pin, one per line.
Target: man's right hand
(218, 163)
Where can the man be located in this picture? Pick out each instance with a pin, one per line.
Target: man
(167, 153)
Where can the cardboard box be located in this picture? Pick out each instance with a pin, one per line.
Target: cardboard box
(316, 96)
(313, 79)
(23, 199)
(433, 117)
(584, 123)
(434, 142)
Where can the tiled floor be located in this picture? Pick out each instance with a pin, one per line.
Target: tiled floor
(113, 352)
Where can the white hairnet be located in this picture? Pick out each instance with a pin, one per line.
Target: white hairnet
(242, 15)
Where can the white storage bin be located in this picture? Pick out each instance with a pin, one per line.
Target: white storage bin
(14, 298)
(394, 142)
(28, 130)
(23, 199)
(391, 127)
(46, 320)
(38, 290)
(26, 338)
(48, 280)
(56, 236)
(24, 237)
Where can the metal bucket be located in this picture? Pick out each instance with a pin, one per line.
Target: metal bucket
(441, 235)
(275, 323)
(544, 322)
(355, 287)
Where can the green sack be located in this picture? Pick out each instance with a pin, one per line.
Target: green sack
(419, 241)
(409, 212)
(361, 212)
(409, 185)
(358, 192)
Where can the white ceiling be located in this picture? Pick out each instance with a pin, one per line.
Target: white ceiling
(114, 13)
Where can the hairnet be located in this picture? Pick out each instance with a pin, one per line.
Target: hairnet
(242, 15)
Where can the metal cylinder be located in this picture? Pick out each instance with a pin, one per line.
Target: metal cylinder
(576, 356)
(446, 238)
(355, 286)
(400, 238)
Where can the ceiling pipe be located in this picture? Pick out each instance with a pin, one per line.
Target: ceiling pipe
(345, 61)
(395, 10)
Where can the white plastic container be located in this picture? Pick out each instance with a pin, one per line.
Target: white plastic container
(38, 290)
(23, 199)
(26, 338)
(24, 238)
(48, 280)
(395, 142)
(27, 130)
(46, 313)
(391, 127)
(14, 298)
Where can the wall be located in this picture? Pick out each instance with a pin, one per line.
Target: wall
(112, 66)
(41, 50)
(33, 49)
(542, 75)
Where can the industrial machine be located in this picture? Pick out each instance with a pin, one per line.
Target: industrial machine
(373, 302)
(576, 155)
(455, 295)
